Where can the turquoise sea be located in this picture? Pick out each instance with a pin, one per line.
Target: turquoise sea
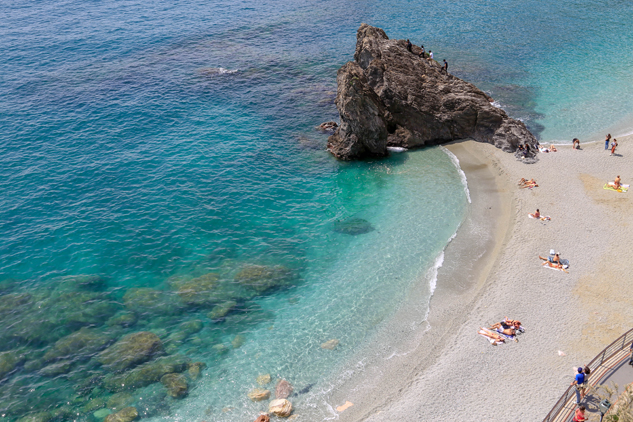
(160, 171)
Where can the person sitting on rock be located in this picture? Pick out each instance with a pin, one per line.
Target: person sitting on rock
(409, 45)
(430, 55)
(422, 51)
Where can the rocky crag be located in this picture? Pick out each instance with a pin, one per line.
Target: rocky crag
(390, 96)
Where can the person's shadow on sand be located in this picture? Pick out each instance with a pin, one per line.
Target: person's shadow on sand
(617, 155)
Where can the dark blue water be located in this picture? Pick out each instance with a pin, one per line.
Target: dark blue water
(149, 145)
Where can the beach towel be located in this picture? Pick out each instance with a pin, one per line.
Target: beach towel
(550, 266)
(492, 341)
(542, 218)
(507, 336)
(610, 186)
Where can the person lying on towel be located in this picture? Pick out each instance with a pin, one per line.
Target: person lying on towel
(508, 326)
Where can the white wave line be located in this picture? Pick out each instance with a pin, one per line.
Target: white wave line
(455, 161)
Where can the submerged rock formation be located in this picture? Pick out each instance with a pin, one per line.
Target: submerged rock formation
(389, 96)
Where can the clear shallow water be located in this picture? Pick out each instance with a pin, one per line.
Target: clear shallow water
(146, 141)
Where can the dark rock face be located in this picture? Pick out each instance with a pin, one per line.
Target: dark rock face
(391, 97)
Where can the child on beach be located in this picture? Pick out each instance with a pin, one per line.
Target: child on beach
(613, 146)
(575, 143)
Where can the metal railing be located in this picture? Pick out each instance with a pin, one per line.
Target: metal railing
(624, 341)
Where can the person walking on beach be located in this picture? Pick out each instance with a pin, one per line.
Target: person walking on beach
(606, 141)
(614, 144)
(579, 382)
(445, 68)
(579, 416)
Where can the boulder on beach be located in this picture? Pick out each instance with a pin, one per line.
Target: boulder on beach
(389, 96)
(283, 390)
(130, 351)
(259, 394)
(147, 373)
(330, 344)
(127, 414)
(261, 278)
(353, 226)
(176, 385)
(83, 344)
(280, 407)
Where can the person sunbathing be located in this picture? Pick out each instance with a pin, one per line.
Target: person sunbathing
(537, 214)
(496, 337)
(529, 184)
(507, 327)
(553, 259)
(552, 148)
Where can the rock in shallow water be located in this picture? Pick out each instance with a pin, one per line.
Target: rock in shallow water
(263, 379)
(147, 373)
(176, 385)
(125, 415)
(259, 394)
(330, 344)
(283, 389)
(262, 278)
(353, 226)
(131, 350)
(8, 362)
(55, 369)
(390, 96)
(195, 369)
(280, 407)
(83, 344)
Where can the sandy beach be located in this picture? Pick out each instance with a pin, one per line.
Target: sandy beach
(444, 370)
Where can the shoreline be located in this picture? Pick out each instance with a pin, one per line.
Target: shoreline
(576, 313)
(457, 286)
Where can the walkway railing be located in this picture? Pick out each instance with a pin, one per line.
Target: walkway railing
(622, 343)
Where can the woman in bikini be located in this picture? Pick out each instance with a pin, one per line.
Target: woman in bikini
(537, 214)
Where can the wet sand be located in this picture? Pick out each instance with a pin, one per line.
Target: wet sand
(443, 370)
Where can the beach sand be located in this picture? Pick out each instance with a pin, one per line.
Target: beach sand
(444, 371)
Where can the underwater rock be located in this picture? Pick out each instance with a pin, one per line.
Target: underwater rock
(146, 301)
(220, 349)
(262, 278)
(221, 310)
(83, 343)
(102, 413)
(176, 384)
(122, 319)
(120, 400)
(154, 404)
(9, 361)
(280, 407)
(263, 379)
(259, 394)
(185, 330)
(81, 282)
(125, 415)
(81, 308)
(131, 350)
(200, 291)
(353, 226)
(33, 365)
(36, 417)
(147, 373)
(283, 390)
(330, 344)
(195, 369)
(238, 341)
(93, 405)
(57, 368)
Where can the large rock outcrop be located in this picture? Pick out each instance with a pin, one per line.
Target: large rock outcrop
(389, 96)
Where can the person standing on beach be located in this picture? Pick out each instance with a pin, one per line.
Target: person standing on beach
(579, 382)
(606, 141)
(631, 358)
(613, 146)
